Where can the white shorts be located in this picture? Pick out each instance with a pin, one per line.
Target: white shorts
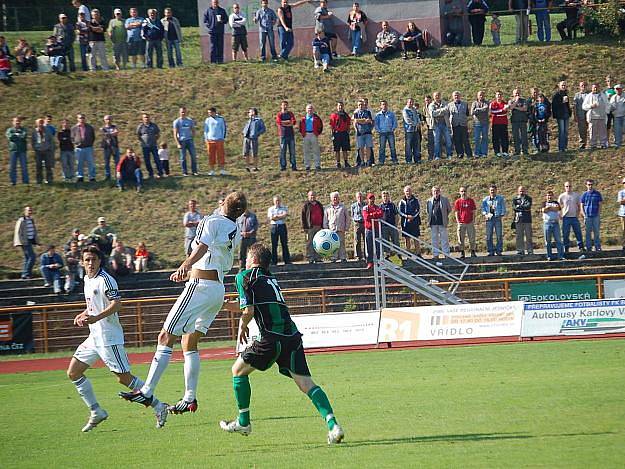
(113, 356)
(196, 307)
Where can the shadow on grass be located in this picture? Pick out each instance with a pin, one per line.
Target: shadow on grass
(552, 157)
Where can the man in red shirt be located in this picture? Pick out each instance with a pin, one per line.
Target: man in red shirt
(464, 209)
(340, 123)
(499, 119)
(370, 214)
(312, 221)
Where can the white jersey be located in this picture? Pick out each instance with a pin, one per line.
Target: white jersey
(99, 292)
(222, 236)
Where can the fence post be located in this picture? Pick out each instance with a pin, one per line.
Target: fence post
(323, 300)
(139, 314)
(506, 290)
(233, 328)
(599, 287)
(45, 331)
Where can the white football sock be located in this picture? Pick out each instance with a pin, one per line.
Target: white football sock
(85, 390)
(191, 374)
(157, 368)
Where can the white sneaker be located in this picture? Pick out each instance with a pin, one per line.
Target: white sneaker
(336, 435)
(234, 427)
(317, 64)
(211, 173)
(161, 412)
(97, 416)
(223, 172)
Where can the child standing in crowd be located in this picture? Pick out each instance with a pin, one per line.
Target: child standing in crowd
(163, 156)
(141, 258)
(542, 112)
(495, 29)
(56, 52)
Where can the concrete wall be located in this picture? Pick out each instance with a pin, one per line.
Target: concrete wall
(425, 13)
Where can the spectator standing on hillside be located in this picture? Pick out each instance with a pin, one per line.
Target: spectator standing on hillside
(390, 213)
(359, 227)
(310, 127)
(617, 106)
(521, 10)
(543, 23)
(480, 112)
(47, 121)
(51, 264)
(17, 137)
(409, 210)
(66, 147)
(312, 222)
(371, 213)
(163, 156)
(248, 226)
(285, 26)
(596, 106)
(363, 125)
(561, 111)
(429, 124)
(277, 215)
(357, 22)
(117, 35)
(121, 260)
(110, 145)
(609, 92)
(459, 121)
(579, 115)
(336, 218)
(519, 118)
(499, 118)
(96, 41)
(26, 236)
(266, 18)
(340, 123)
(215, 130)
(128, 170)
(136, 44)
(438, 208)
(590, 203)
(190, 221)
(620, 198)
(464, 211)
(42, 141)
(104, 235)
(172, 33)
(568, 25)
(215, 18)
(148, 134)
(495, 29)
(551, 225)
(84, 9)
(477, 10)
(454, 13)
(285, 120)
(540, 114)
(493, 210)
(442, 126)
(412, 119)
(184, 131)
(324, 22)
(152, 31)
(83, 138)
(65, 34)
(237, 22)
(522, 207)
(82, 30)
(386, 42)
(385, 123)
(569, 202)
(254, 127)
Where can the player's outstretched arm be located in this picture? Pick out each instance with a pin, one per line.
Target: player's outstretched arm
(180, 275)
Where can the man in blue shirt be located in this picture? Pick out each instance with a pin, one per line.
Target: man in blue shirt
(265, 18)
(363, 124)
(215, 18)
(184, 131)
(214, 135)
(385, 125)
(136, 44)
(51, 264)
(543, 24)
(254, 127)
(494, 209)
(591, 207)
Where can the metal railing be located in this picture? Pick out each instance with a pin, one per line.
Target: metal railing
(142, 319)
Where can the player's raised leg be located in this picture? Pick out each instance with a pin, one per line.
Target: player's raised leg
(134, 382)
(76, 373)
(188, 403)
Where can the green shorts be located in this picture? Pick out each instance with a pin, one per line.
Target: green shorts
(287, 352)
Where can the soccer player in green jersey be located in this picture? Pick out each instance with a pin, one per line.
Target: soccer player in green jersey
(279, 342)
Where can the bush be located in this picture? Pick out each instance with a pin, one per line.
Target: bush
(605, 18)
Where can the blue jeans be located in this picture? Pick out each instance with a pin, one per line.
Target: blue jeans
(390, 138)
(152, 151)
(264, 37)
(174, 46)
(52, 276)
(563, 134)
(372, 249)
(441, 131)
(138, 179)
(480, 139)
(29, 260)
(187, 146)
(150, 48)
(84, 48)
(217, 48)
(286, 42)
(84, 155)
(592, 233)
(356, 40)
(619, 124)
(108, 152)
(494, 226)
(543, 26)
(287, 143)
(568, 224)
(552, 230)
(14, 158)
(412, 147)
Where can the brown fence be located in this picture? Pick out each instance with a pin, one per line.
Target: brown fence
(53, 327)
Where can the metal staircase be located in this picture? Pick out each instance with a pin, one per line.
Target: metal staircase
(384, 268)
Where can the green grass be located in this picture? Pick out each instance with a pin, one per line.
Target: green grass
(155, 215)
(555, 404)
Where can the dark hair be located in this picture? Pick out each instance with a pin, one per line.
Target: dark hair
(93, 249)
(254, 110)
(261, 254)
(50, 246)
(492, 186)
(235, 204)
(213, 109)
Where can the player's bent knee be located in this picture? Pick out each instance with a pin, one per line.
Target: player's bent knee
(73, 375)
(166, 339)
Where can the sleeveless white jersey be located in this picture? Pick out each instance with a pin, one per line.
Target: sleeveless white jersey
(222, 236)
(99, 292)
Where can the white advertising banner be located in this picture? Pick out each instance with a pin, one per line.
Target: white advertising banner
(574, 318)
(332, 329)
(614, 288)
(466, 321)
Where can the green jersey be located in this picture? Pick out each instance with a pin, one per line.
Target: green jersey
(259, 288)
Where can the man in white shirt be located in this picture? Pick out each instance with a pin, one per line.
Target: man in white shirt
(190, 221)
(569, 204)
(197, 306)
(82, 9)
(105, 341)
(277, 214)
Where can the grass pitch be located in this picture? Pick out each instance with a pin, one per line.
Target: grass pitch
(555, 404)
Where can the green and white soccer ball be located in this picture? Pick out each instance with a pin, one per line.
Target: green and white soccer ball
(326, 242)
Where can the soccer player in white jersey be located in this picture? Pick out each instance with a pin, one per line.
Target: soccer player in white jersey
(105, 341)
(197, 306)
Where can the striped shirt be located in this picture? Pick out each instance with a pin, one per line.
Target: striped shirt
(100, 291)
(30, 228)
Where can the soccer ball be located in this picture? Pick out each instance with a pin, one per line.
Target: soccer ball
(326, 242)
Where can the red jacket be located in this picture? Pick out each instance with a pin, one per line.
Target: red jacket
(121, 165)
(317, 125)
(497, 113)
(279, 121)
(340, 125)
(371, 213)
